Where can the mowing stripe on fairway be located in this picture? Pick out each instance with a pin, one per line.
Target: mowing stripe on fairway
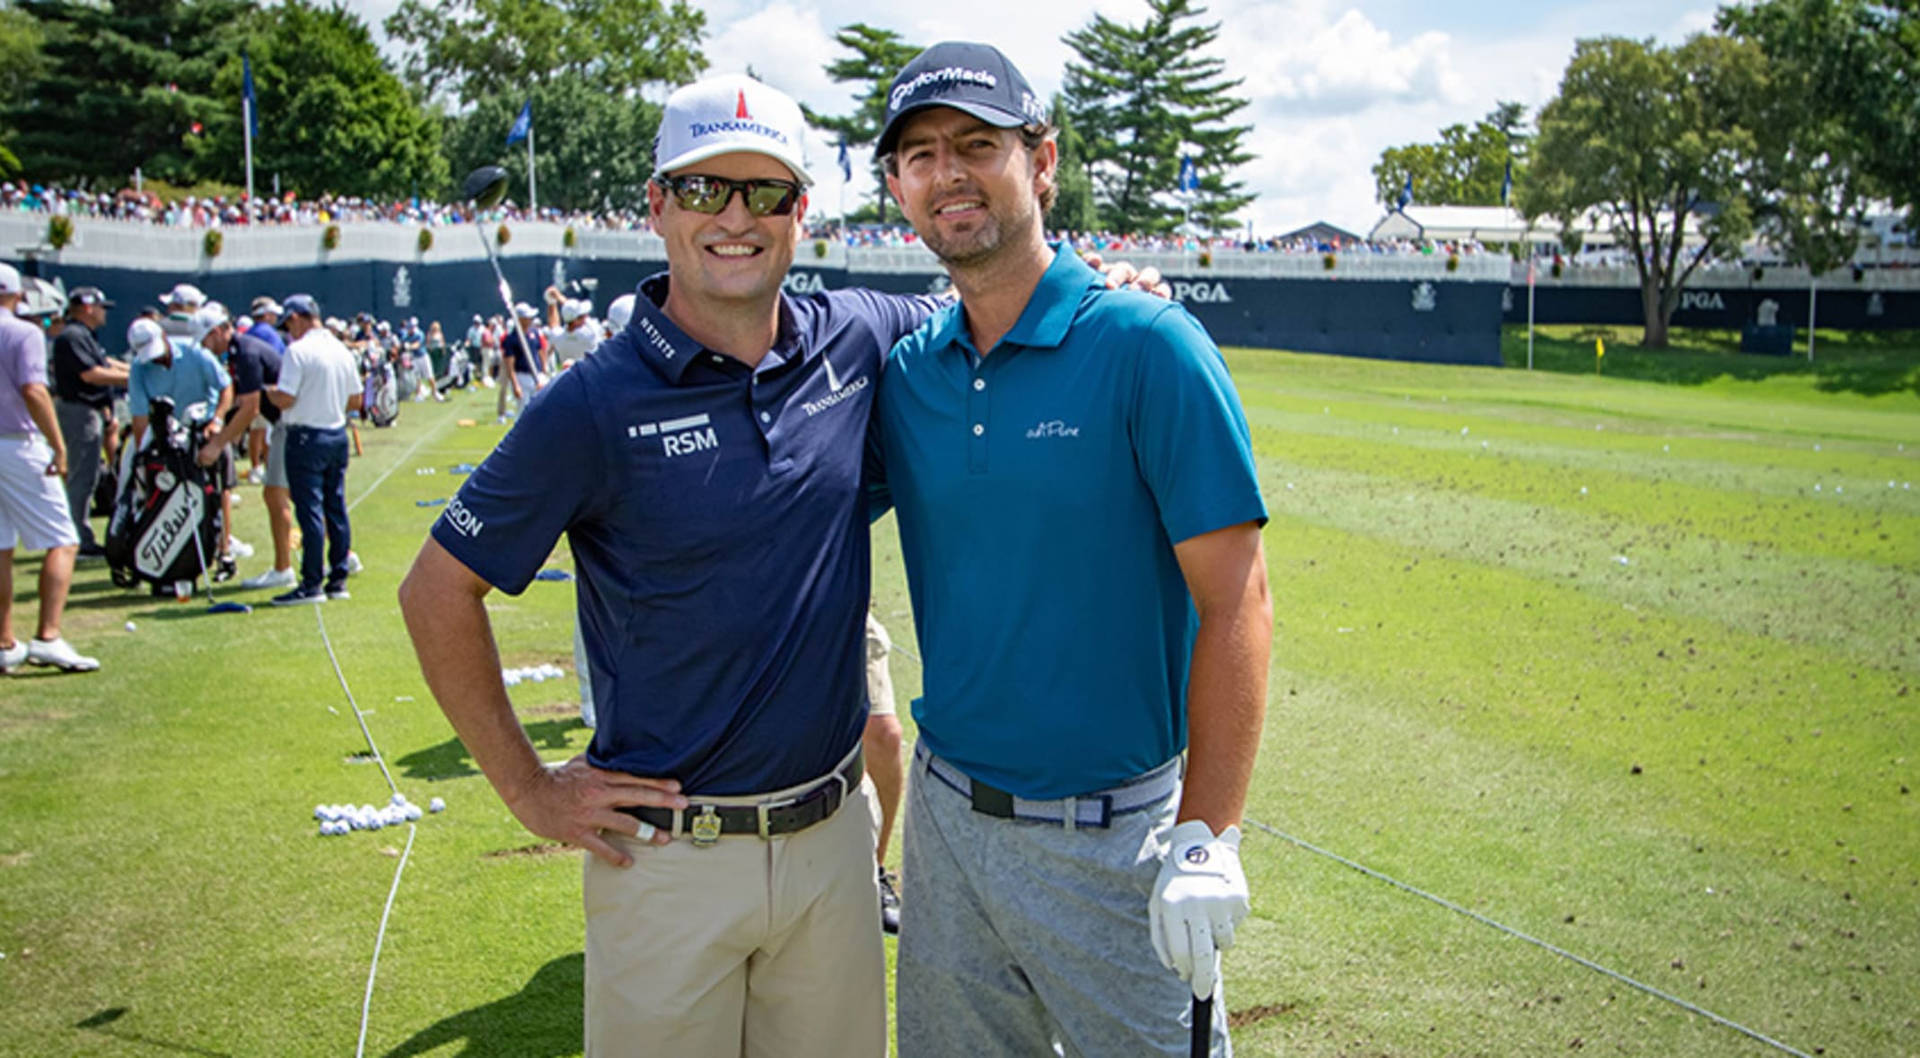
(411, 449)
(1537, 942)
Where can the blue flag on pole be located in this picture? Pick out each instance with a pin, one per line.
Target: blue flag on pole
(522, 125)
(246, 95)
(1189, 175)
(1506, 186)
(846, 167)
(1406, 194)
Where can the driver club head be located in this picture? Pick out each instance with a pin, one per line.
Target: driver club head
(485, 186)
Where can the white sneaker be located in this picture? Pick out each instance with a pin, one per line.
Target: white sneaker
(14, 656)
(58, 654)
(273, 578)
(257, 476)
(239, 548)
(353, 563)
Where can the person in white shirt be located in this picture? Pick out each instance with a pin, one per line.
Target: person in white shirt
(571, 329)
(318, 386)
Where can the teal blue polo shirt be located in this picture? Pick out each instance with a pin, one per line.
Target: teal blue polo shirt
(1040, 491)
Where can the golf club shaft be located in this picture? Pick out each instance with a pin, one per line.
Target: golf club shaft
(506, 290)
(1201, 1045)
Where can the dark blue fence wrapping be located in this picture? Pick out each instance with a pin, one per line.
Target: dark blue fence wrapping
(1425, 320)
(1724, 308)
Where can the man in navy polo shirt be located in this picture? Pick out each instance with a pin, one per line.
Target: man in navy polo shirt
(1080, 520)
(712, 493)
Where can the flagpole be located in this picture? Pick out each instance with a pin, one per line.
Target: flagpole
(246, 120)
(533, 194)
(1530, 264)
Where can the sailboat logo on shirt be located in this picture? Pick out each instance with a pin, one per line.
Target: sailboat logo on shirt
(836, 391)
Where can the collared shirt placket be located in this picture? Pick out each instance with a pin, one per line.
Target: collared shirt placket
(979, 407)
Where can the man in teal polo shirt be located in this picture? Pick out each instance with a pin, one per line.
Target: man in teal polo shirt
(1080, 519)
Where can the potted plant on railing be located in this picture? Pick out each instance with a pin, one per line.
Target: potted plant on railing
(502, 235)
(212, 242)
(59, 231)
(425, 240)
(330, 237)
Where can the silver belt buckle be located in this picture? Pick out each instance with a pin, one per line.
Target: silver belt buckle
(765, 807)
(706, 827)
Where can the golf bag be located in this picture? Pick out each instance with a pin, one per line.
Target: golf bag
(380, 397)
(165, 526)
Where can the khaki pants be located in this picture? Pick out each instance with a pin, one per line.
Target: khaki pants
(748, 948)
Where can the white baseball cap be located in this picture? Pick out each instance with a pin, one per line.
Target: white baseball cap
(572, 309)
(10, 280)
(620, 313)
(525, 311)
(206, 318)
(733, 112)
(184, 294)
(147, 340)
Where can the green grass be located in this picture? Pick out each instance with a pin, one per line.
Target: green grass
(1692, 767)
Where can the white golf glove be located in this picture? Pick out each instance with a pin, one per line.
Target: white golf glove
(1198, 899)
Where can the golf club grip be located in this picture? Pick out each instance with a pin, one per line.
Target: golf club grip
(1202, 1038)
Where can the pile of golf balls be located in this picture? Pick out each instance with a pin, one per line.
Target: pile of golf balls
(532, 674)
(339, 819)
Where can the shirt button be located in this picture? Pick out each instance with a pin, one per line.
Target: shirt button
(979, 383)
(764, 417)
(978, 429)
(720, 360)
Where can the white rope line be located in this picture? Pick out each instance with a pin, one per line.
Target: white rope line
(366, 1004)
(357, 715)
(1510, 931)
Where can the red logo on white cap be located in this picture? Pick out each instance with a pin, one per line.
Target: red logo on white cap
(741, 110)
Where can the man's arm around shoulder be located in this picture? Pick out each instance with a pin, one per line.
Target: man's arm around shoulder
(443, 602)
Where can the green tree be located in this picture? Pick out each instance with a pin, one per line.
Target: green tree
(1833, 122)
(574, 126)
(1466, 168)
(123, 85)
(472, 50)
(1073, 204)
(1143, 96)
(332, 116)
(21, 64)
(1653, 139)
(878, 55)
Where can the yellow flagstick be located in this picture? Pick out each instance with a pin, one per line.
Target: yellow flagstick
(1599, 350)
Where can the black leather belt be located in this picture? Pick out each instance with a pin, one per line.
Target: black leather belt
(768, 819)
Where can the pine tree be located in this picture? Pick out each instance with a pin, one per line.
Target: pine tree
(878, 55)
(1142, 96)
(125, 85)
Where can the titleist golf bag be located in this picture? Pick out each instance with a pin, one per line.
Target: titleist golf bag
(165, 526)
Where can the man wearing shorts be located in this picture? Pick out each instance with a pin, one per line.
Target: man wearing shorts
(33, 505)
(253, 366)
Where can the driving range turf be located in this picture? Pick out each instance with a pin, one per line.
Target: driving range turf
(1623, 662)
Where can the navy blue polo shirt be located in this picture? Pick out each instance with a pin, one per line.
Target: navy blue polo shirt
(1039, 493)
(718, 522)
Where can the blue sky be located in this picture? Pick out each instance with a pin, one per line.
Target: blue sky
(1331, 82)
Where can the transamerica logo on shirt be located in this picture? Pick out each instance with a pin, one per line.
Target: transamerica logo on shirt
(840, 393)
(679, 437)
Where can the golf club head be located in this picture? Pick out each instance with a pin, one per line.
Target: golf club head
(485, 186)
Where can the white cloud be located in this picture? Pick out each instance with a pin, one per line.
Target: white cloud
(1331, 82)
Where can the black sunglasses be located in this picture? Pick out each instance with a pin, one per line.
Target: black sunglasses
(710, 194)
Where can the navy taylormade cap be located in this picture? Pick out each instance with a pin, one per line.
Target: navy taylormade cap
(301, 305)
(974, 78)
